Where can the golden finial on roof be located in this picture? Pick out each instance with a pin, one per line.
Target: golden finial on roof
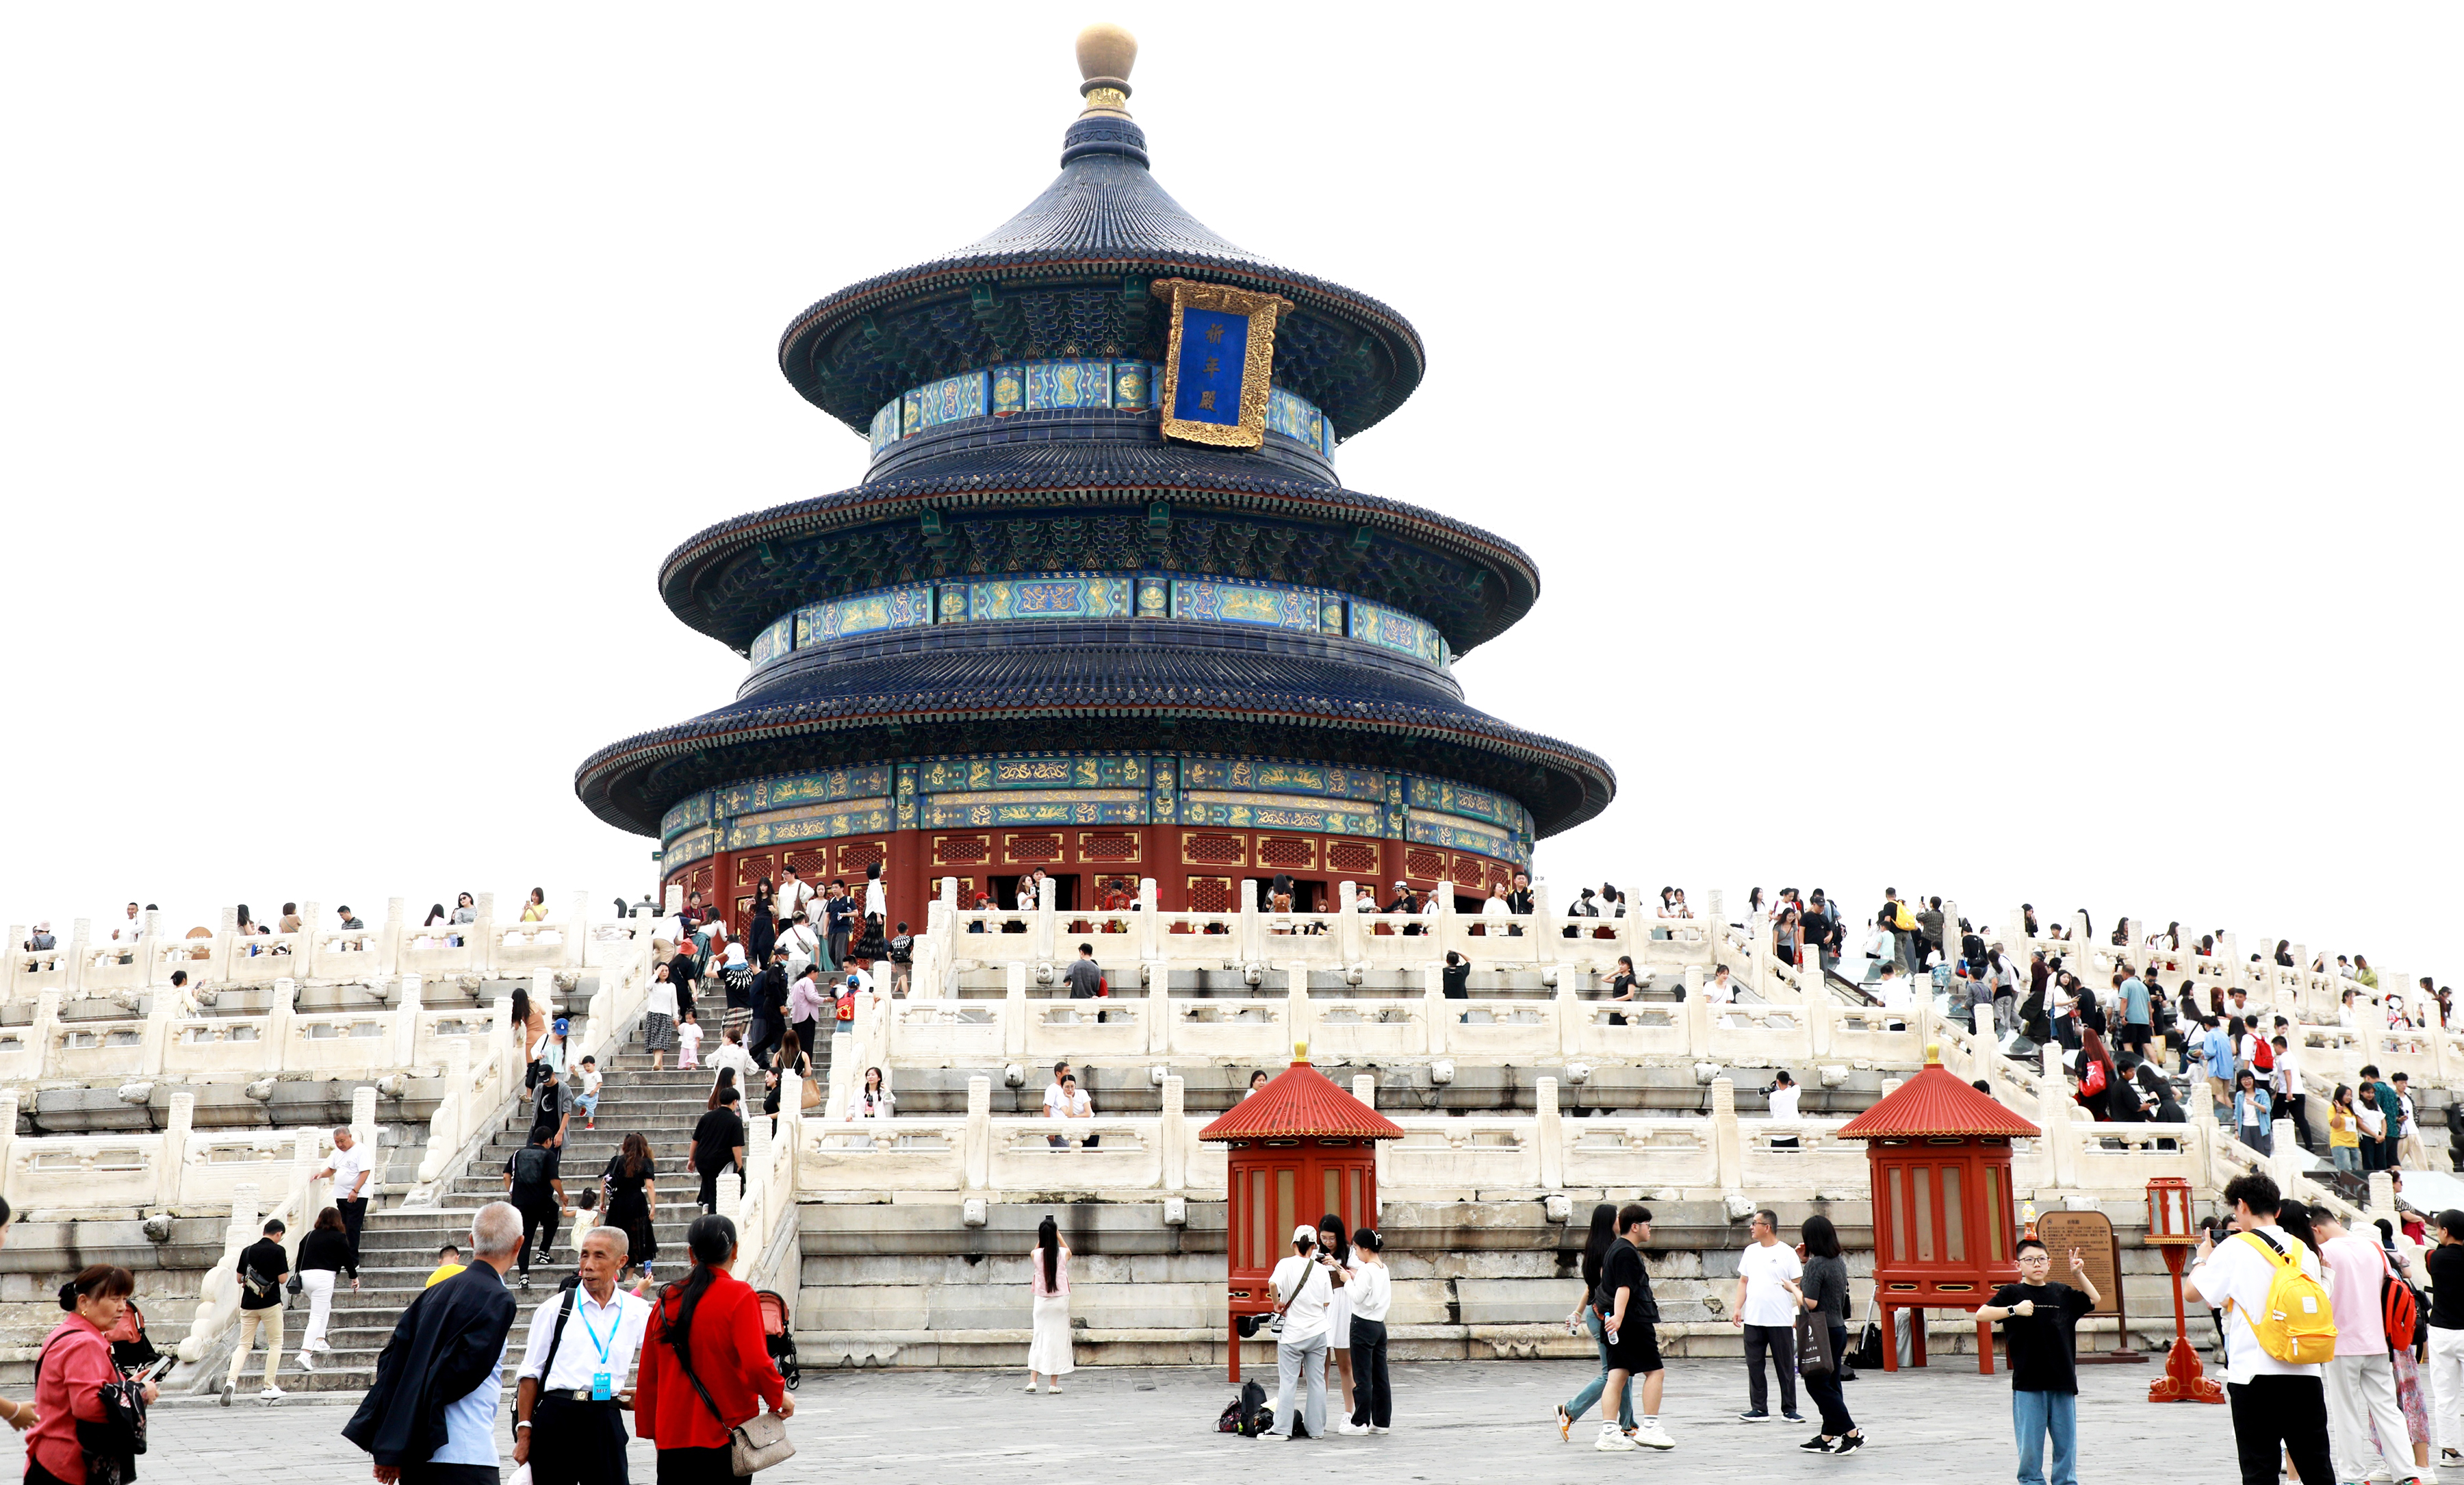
(1105, 54)
(1934, 1053)
(1300, 1052)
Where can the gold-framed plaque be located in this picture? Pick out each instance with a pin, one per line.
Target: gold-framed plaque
(1218, 356)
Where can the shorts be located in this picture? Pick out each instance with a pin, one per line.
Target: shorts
(1637, 1352)
(587, 1103)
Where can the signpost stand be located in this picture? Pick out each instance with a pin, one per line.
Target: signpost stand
(2091, 1232)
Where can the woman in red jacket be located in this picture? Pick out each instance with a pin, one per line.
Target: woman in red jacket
(709, 1328)
(75, 1364)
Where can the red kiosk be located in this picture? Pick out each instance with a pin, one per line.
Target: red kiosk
(1296, 1149)
(1944, 1230)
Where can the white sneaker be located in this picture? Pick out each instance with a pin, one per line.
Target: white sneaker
(1053, 1386)
(1611, 1441)
(1377, 1428)
(1347, 1426)
(307, 1361)
(1032, 1387)
(272, 1395)
(1651, 1435)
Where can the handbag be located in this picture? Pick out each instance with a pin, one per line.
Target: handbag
(1813, 1356)
(753, 1445)
(812, 1097)
(1868, 1354)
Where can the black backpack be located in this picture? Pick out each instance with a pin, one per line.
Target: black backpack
(530, 1168)
(1247, 1414)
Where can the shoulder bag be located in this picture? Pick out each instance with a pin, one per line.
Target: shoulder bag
(753, 1445)
(1813, 1356)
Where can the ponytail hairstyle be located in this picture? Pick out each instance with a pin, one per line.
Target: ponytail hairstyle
(711, 1240)
(98, 1281)
(1047, 1239)
(1366, 1240)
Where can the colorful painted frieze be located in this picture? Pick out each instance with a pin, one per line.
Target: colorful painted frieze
(1245, 603)
(1459, 834)
(689, 848)
(1268, 775)
(1062, 596)
(1280, 812)
(966, 809)
(684, 814)
(865, 780)
(887, 424)
(1037, 771)
(906, 607)
(1014, 387)
(812, 822)
(1053, 384)
(773, 642)
(1391, 629)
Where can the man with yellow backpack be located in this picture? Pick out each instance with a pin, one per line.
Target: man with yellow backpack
(2280, 1330)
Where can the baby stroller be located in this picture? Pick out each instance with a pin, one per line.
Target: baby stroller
(775, 1317)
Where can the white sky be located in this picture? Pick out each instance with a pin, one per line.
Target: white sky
(2003, 452)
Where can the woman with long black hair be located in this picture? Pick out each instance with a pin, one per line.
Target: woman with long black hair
(705, 1367)
(761, 935)
(1824, 1290)
(628, 1193)
(1587, 1315)
(1048, 1282)
(1332, 1242)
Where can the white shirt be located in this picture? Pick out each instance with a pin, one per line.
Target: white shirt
(1783, 1101)
(791, 897)
(1494, 907)
(1308, 1297)
(875, 1105)
(349, 1166)
(1372, 1290)
(1762, 1265)
(1720, 992)
(2240, 1272)
(731, 1055)
(876, 901)
(663, 998)
(590, 1083)
(1054, 1099)
(616, 1326)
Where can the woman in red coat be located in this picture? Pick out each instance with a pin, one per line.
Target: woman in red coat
(69, 1379)
(708, 1327)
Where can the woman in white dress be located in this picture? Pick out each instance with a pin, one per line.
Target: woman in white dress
(1331, 1241)
(1048, 1279)
(871, 1102)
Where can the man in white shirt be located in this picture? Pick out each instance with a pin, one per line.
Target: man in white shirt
(2361, 1379)
(2277, 1405)
(794, 892)
(349, 1171)
(569, 1402)
(1304, 1286)
(1768, 1313)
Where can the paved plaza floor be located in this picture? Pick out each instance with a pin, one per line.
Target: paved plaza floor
(1474, 1421)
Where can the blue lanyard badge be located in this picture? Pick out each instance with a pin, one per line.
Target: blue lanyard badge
(602, 1383)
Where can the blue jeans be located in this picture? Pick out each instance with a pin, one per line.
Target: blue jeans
(1581, 1402)
(2033, 1417)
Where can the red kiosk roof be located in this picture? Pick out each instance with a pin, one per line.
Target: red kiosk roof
(1934, 1102)
(1302, 1103)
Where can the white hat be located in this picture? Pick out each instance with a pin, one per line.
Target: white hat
(1304, 1233)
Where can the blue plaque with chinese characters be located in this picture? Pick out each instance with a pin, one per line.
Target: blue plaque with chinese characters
(1214, 352)
(1219, 355)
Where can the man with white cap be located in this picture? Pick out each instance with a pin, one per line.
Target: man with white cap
(1400, 901)
(1304, 1286)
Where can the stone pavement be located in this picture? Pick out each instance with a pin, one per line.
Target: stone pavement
(1455, 1420)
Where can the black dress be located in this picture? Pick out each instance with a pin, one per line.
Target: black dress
(629, 1208)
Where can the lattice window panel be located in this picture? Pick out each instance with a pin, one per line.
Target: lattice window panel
(1213, 851)
(962, 850)
(809, 864)
(1107, 846)
(1287, 853)
(1112, 882)
(1468, 872)
(1210, 894)
(1500, 878)
(752, 871)
(857, 854)
(1031, 848)
(700, 881)
(1357, 857)
(1425, 864)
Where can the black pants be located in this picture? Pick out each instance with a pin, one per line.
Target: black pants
(1780, 1341)
(708, 1198)
(2290, 1107)
(2274, 1416)
(540, 1213)
(354, 1212)
(696, 1467)
(1824, 1386)
(1372, 1396)
(578, 1443)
